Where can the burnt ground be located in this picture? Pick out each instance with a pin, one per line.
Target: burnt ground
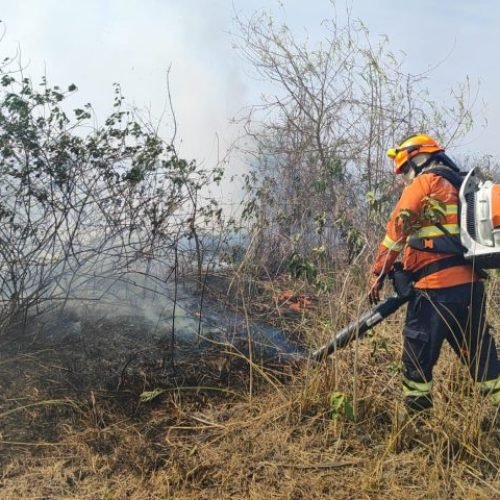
(70, 380)
(113, 360)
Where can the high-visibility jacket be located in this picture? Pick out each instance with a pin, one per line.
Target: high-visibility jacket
(429, 193)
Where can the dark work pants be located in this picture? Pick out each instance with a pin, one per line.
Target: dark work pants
(456, 314)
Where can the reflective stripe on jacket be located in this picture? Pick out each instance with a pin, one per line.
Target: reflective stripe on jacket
(428, 199)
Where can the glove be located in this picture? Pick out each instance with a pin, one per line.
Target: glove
(374, 287)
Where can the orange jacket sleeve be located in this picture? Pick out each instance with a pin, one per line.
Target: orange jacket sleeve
(397, 231)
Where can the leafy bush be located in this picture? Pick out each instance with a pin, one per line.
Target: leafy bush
(79, 201)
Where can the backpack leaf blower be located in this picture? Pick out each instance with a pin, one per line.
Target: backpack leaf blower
(478, 244)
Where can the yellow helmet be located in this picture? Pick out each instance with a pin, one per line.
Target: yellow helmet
(411, 147)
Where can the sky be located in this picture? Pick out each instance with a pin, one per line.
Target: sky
(94, 43)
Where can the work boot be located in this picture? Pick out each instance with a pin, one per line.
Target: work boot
(418, 403)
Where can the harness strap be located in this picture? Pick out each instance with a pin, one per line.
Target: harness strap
(434, 267)
(454, 178)
(453, 239)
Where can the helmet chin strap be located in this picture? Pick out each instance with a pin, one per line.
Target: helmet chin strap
(413, 170)
(418, 166)
(409, 175)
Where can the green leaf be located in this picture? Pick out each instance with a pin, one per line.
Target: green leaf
(147, 396)
(320, 185)
(341, 406)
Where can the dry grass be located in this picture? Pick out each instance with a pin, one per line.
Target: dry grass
(253, 431)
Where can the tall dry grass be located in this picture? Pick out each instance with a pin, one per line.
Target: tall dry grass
(243, 429)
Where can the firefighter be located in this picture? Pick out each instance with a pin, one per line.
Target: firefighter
(449, 298)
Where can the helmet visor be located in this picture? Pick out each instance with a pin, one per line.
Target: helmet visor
(400, 156)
